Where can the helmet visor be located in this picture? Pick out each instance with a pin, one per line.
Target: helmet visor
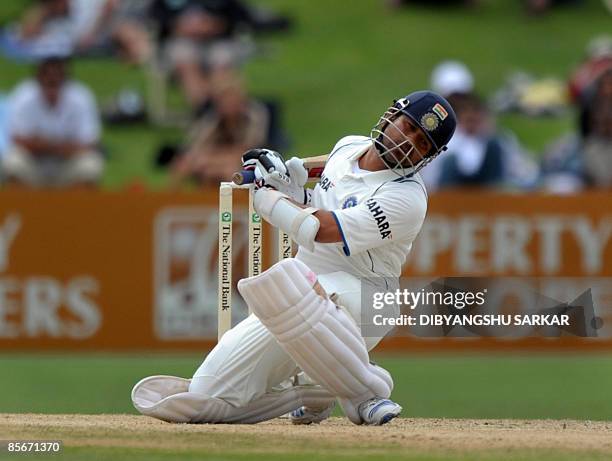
(395, 148)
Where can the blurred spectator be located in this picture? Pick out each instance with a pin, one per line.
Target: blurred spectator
(54, 129)
(217, 141)
(479, 155)
(530, 95)
(101, 26)
(79, 27)
(450, 77)
(45, 26)
(543, 6)
(200, 42)
(434, 3)
(598, 60)
(584, 159)
(4, 134)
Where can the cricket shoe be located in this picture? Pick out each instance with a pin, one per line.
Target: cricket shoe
(305, 415)
(377, 411)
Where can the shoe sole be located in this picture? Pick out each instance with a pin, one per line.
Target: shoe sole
(388, 417)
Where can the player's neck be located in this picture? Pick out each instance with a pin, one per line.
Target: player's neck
(370, 161)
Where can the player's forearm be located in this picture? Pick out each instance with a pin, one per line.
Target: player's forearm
(36, 145)
(328, 228)
(328, 231)
(68, 149)
(33, 144)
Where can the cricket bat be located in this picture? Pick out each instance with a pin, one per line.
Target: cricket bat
(314, 166)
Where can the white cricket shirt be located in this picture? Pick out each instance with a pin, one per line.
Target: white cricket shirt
(74, 118)
(378, 213)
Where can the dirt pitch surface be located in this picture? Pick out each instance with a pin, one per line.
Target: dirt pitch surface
(279, 436)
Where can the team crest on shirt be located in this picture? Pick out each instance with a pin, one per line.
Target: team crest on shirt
(349, 202)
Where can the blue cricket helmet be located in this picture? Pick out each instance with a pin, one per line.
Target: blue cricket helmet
(431, 113)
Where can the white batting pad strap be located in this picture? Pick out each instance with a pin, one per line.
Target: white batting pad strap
(265, 200)
(299, 220)
(321, 338)
(166, 398)
(278, 210)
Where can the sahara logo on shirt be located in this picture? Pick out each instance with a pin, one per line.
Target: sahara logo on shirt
(325, 183)
(380, 217)
(349, 202)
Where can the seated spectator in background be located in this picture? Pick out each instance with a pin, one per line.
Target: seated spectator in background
(584, 159)
(598, 60)
(81, 27)
(54, 129)
(45, 25)
(104, 26)
(217, 141)
(597, 149)
(4, 135)
(434, 3)
(543, 6)
(199, 42)
(478, 155)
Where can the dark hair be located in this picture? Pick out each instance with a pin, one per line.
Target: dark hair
(463, 101)
(52, 61)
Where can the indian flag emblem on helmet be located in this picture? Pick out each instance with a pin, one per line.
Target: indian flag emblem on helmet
(440, 111)
(429, 121)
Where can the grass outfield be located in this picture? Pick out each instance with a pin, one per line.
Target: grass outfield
(500, 386)
(345, 61)
(130, 438)
(540, 398)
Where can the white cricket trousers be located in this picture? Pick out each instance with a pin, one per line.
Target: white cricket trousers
(248, 361)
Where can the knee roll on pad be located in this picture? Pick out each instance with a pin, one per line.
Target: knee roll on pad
(319, 336)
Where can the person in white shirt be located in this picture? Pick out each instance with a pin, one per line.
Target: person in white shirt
(480, 154)
(54, 128)
(302, 349)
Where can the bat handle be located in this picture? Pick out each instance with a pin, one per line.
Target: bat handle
(243, 177)
(266, 163)
(248, 176)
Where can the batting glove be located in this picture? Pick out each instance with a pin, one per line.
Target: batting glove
(288, 178)
(249, 158)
